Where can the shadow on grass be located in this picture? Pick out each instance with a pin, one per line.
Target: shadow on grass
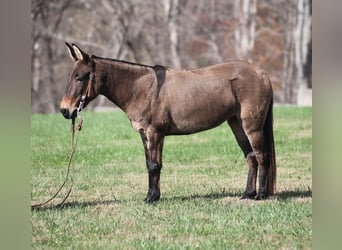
(288, 194)
(210, 196)
(281, 196)
(75, 204)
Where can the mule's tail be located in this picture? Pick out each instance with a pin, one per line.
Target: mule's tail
(268, 133)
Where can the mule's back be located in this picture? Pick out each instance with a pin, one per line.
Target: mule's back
(203, 98)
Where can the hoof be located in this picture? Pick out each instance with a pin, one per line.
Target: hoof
(248, 196)
(152, 198)
(261, 197)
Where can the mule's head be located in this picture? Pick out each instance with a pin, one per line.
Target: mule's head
(81, 83)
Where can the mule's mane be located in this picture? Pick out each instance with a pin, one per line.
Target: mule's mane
(111, 60)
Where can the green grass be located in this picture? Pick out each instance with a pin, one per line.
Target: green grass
(202, 179)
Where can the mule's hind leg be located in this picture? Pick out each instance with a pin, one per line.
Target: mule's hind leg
(242, 139)
(257, 141)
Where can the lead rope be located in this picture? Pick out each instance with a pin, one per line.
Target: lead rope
(73, 148)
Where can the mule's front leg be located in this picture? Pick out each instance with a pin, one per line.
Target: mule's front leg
(153, 145)
(153, 193)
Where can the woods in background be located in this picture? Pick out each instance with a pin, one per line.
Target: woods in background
(275, 34)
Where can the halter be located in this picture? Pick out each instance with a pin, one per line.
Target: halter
(87, 92)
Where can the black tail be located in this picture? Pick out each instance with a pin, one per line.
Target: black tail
(268, 133)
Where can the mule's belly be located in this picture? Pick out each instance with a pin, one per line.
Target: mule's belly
(188, 126)
(202, 114)
(196, 101)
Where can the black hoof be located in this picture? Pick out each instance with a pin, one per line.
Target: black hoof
(152, 198)
(248, 196)
(261, 197)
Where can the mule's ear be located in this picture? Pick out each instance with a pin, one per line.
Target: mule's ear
(81, 56)
(71, 52)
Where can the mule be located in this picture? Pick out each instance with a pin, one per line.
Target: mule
(161, 101)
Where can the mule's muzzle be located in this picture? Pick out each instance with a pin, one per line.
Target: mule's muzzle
(67, 114)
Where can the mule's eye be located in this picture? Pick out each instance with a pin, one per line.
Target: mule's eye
(82, 77)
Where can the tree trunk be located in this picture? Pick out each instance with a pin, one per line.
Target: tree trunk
(244, 33)
(297, 49)
(171, 13)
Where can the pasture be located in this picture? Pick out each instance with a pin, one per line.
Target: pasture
(202, 179)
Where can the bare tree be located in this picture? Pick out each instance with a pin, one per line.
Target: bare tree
(297, 48)
(245, 18)
(171, 13)
(44, 84)
(175, 33)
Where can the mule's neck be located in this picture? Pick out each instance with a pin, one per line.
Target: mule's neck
(119, 79)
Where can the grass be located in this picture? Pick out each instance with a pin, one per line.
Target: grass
(202, 180)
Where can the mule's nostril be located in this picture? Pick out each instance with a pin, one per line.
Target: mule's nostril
(65, 112)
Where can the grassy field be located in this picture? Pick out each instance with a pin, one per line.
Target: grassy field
(202, 180)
